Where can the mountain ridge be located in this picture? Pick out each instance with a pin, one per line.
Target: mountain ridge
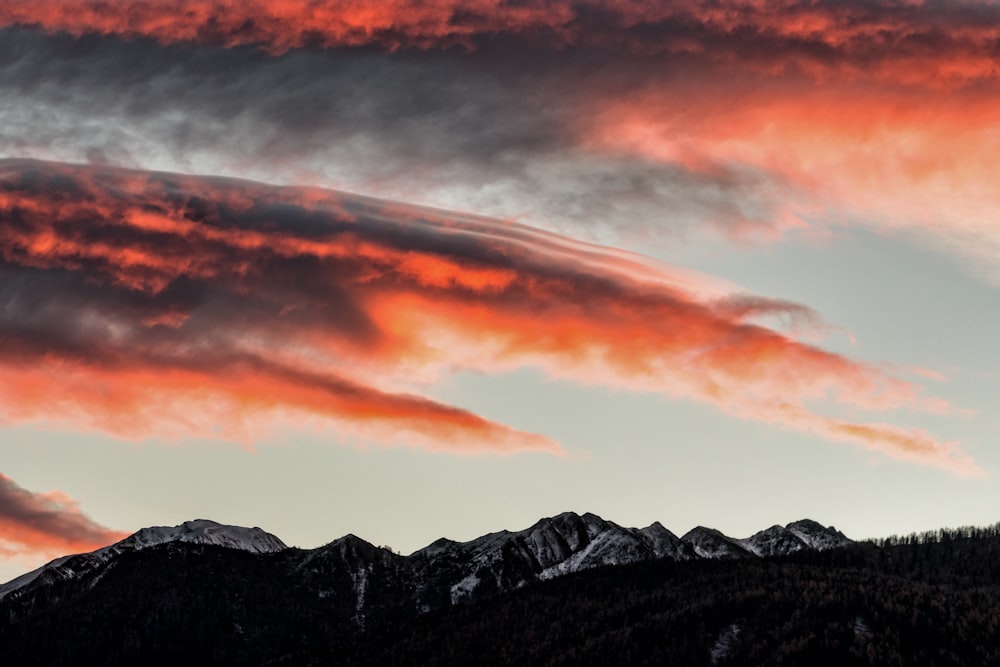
(498, 561)
(195, 531)
(502, 598)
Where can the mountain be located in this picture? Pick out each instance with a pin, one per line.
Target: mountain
(222, 587)
(568, 590)
(446, 572)
(909, 602)
(204, 531)
(199, 531)
(569, 542)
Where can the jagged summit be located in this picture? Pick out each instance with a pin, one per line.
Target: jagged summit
(818, 536)
(350, 602)
(446, 571)
(774, 541)
(710, 543)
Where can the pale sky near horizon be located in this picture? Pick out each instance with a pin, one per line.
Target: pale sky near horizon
(812, 335)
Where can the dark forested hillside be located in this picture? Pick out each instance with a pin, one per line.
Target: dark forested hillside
(920, 604)
(928, 601)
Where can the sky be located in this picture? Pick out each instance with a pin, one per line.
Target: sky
(419, 269)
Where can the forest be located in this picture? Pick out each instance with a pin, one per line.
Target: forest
(930, 599)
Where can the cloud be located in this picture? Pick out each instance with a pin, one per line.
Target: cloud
(457, 131)
(137, 300)
(47, 524)
(896, 158)
(899, 40)
(786, 118)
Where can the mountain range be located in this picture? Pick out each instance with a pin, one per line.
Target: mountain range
(445, 572)
(569, 590)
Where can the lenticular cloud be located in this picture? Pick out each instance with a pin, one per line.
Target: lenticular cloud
(147, 303)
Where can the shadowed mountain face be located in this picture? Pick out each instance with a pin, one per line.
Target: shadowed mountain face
(569, 590)
(906, 603)
(242, 595)
(446, 572)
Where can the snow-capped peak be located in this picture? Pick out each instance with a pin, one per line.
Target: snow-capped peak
(205, 531)
(498, 561)
(199, 531)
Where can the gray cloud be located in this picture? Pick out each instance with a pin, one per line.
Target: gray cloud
(469, 133)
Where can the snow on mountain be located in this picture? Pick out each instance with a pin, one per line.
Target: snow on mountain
(204, 531)
(569, 542)
(446, 572)
(464, 588)
(774, 541)
(710, 543)
(817, 536)
(613, 546)
(28, 577)
(199, 531)
(551, 547)
(664, 543)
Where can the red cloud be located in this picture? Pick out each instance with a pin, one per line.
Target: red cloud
(137, 301)
(828, 152)
(790, 114)
(46, 524)
(898, 40)
(280, 25)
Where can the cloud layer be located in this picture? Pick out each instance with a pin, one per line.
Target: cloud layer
(46, 524)
(144, 302)
(896, 39)
(751, 120)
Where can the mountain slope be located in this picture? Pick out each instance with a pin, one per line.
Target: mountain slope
(447, 572)
(204, 531)
(350, 603)
(914, 604)
(241, 594)
(199, 531)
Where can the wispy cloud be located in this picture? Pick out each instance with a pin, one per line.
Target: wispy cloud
(894, 158)
(46, 524)
(132, 298)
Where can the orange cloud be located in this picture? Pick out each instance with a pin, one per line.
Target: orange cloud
(240, 401)
(756, 116)
(138, 301)
(280, 25)
(46, 524)
(895, 157)
(895, 40)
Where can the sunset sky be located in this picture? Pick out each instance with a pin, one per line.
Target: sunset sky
(412, 269)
